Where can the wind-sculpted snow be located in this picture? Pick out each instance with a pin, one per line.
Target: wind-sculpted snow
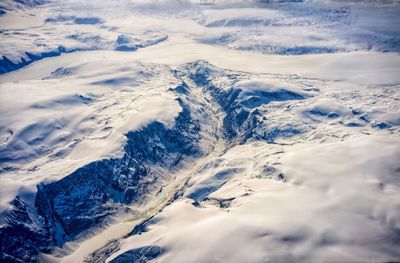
(272, 27)
(200, 131)
(51, 126)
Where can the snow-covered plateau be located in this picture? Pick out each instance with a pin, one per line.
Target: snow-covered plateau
(199, 131)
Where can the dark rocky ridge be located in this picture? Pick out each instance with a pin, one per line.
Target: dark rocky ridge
(6, 65)
(241, 120)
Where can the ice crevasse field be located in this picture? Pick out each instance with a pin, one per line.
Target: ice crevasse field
(199, 131)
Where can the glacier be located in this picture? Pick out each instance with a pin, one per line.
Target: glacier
(199, 131)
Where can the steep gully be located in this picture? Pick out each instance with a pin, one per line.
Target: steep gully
(155, 169)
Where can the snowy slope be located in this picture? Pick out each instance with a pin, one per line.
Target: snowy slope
(13, 5)
(200, 131)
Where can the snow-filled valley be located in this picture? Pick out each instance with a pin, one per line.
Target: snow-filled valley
(200, 131)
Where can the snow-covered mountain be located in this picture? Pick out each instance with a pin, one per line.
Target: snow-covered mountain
(14, 5)
(200, 131)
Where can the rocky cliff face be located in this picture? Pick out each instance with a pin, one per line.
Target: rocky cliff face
(84, 198)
